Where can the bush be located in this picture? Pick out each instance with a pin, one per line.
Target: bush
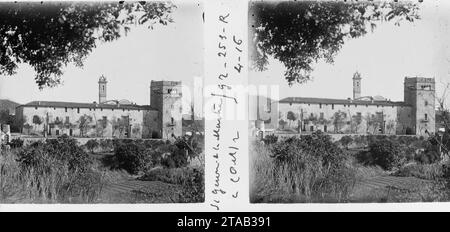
(106, 145)
(193, 187)
(270, 139)
(16, 143)
(63, 149)
(427, 157)
(183, 148)
(92, 144)
(345, 141)
(132, 156)
(386, 153)
(57, 170)
(175, 159)
(311, 167)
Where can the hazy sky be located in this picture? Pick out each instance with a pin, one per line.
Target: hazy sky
(383, 58)
(172, 52)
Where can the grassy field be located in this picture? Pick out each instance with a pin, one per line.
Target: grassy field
(297, 172)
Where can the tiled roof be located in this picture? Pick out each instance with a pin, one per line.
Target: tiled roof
(339, 101)
(57, 104)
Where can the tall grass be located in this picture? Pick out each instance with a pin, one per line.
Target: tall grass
(48, 180)
(300, 171)
(434, 171)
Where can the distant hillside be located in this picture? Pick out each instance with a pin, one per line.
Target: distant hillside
(9, 105)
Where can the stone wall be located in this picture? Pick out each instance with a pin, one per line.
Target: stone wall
(338, 118)
(84, 122)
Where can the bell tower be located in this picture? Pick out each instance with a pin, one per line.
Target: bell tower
(102, 89)
(356, 85)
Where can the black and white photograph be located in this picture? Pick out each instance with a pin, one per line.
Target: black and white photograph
(101, 102)
(352, 101)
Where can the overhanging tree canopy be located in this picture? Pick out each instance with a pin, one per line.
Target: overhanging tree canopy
(50, 35)
(300, 33)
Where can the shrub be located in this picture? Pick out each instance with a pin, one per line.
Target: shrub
(386, 153)
(63, 149)
(311, 167)
(427, 157)
(270, 139)
(345, 141)
(132, 156)
(193, 187)
(106, 145)
(92, 144)
(16, 143)
(57, 170)
(176, 158)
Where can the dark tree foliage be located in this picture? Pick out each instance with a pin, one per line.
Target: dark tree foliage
(48, 36)
(300, 33)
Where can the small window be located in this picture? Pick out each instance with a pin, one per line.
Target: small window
(332, 106)
(324, 128)
(311, 128)
(171, 119)
(426, 103)
(321, 115)
(57, 132)
(268, 105)
(320, 106)
(426, 117)
(78, 110)
(65, 109)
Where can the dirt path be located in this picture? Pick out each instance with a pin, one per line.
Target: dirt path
(380, 188)
(137, 191)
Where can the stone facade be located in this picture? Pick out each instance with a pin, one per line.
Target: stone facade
(107, 118)
(165, 96)
(361, 115)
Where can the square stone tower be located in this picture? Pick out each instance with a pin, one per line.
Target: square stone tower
(356, 85)
(166, 97)
(419, 93)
